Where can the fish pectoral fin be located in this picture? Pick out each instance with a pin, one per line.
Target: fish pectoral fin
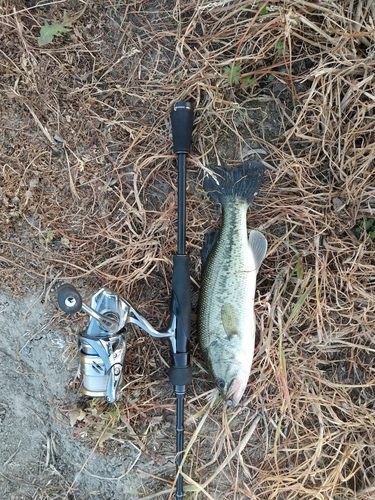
(258, 245)
(230, 318)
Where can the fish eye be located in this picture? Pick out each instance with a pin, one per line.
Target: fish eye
(229, 402)
(220, 383)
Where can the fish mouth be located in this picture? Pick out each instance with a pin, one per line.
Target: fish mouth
(235, 391)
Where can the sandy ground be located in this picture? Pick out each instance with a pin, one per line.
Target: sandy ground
(39, 457)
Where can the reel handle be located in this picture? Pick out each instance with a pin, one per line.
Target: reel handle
(70, 302)
(182, 116)
(69, 299)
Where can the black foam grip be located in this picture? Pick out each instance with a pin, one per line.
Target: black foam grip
(182, 117)
(181, 308)
(180, 375)
(182, 300)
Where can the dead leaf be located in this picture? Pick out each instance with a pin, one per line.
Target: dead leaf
(106, 434)
(76, 415)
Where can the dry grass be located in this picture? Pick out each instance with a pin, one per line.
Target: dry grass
(88, 193)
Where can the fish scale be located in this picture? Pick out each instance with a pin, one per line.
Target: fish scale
(226, 321)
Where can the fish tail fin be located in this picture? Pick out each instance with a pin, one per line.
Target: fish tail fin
(238, 183)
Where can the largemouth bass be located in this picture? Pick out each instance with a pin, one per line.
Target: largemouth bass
(226, 321)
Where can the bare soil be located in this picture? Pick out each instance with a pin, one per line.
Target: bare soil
(39, 456)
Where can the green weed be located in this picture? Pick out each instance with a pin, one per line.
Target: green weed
(49, 31)
(233, 74)
(115, 13)
(280, 48)
(48, 238)
(365, 227)
(264, 10)
(101, 260)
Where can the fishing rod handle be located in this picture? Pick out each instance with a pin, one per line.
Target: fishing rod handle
(180, 370)
(182, 116)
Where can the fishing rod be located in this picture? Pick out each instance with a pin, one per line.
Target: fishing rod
(102, 344)
(180, 372)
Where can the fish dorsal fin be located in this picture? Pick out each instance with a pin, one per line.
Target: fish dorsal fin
(258, 246)
(230, 318)
(209, 242)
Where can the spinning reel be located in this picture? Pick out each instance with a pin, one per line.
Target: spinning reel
(102, 345)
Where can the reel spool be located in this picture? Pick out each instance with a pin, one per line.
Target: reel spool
(101, 365)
